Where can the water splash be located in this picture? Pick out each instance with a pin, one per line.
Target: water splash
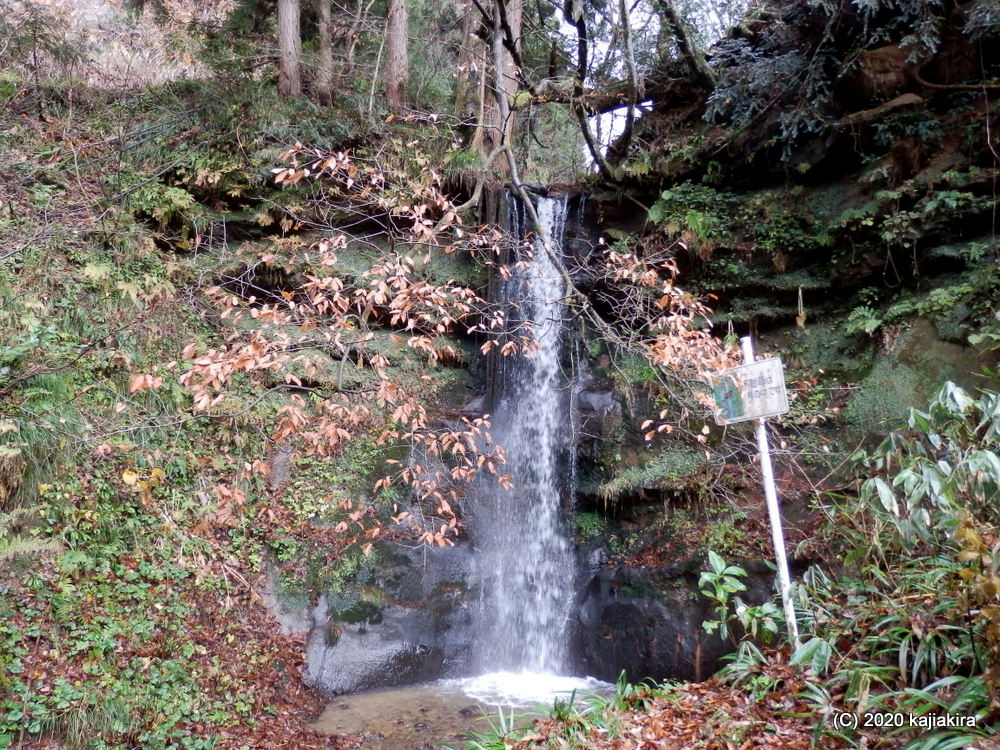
(525, 688)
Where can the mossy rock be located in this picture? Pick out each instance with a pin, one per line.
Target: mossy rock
(589, 527)
(884, 398)
(362, 611)
(908, 377)
(824, 346)
(630, 370)
(792, 281)
(456, 268)
(672, 468)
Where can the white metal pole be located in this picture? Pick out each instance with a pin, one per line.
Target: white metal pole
(773, 512)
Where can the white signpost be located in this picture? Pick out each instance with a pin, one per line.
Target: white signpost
(757, 391)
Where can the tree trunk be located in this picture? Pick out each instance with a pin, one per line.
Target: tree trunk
(354, 35)
(514, 9)
(324, 72)
(397, 62)
(289, 48)
(500, 118)
(478, 143)
(471, 95)
(466, 63)
(693, 57)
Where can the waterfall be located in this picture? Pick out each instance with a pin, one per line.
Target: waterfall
(525, 559)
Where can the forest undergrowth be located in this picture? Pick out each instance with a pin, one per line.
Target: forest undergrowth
(137, 535)
(898, 633)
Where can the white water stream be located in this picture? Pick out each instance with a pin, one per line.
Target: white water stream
(525, 559)
(525, 562)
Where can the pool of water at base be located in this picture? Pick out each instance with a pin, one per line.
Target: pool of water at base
(440, 714)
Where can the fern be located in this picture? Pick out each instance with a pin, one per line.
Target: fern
(15, 535)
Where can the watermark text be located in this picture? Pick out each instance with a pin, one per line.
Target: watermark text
(901, 720)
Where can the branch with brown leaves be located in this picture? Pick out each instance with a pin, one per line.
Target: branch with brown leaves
(287, 336)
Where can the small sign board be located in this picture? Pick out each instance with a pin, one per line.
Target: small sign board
(749, 392)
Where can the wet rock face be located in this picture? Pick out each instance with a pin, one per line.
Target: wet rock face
(598, 413)
(417, 630)
(397, 649)
(648, 622)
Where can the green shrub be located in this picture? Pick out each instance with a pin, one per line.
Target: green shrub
(922, 606)
(589, 527)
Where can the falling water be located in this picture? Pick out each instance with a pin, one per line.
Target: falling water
(525, 562)
(525, 558)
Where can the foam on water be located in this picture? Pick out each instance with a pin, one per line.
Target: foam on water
(525, 688)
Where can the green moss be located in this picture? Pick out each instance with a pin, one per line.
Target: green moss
(825, 345)
(458, 269)
(794, 280)
(630, 370)
(313, 573)
(362, 611)
(883, 399)
(919, 363)
(672, 467)
(291, 596)
(726, 535)
(589, 527)
(746, 309)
